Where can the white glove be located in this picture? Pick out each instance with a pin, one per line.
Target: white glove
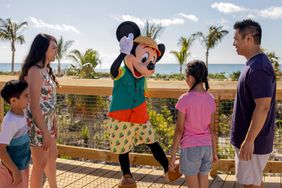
(126, 44)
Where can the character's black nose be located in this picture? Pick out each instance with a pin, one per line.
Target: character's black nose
(151, 66)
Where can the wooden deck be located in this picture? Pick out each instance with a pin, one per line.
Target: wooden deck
(76, 174)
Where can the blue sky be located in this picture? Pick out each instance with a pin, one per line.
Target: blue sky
(92, 24)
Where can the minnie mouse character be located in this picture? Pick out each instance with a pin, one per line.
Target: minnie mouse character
(129, 125)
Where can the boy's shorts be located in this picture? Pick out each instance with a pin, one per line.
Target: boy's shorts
(195, 160)
(250, 172)
(125, 135)
(6, 180)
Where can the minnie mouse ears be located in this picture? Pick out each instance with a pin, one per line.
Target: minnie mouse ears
(127, 27)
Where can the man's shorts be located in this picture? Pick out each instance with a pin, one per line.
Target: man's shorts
(250, 172)
(196, 160)
(125, 135)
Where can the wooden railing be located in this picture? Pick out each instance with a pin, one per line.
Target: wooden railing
(157, 89)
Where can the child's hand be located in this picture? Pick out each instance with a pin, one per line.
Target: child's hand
(215, 158)
(46, 141)
(17, 177)
(172, 164)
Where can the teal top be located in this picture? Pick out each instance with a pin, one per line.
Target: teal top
(128, 91)
(19, 151)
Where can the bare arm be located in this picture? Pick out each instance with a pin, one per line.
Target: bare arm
(35, 80)
(257, 123)
(213, 137)
(177, 137)
(7, 161)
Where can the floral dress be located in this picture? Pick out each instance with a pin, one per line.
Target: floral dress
(48, 102)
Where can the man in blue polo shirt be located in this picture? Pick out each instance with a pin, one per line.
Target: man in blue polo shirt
(252, 132)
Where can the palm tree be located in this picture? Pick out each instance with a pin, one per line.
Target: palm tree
(63, 48)
(213, 37)
(87, 62)
(274, 60)
(10, 30)
(152, 30)
(183, 53)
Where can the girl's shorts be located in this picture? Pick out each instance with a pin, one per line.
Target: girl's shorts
(196, 160)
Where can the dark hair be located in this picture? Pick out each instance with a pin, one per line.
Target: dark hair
(13, 88)
(37, 53)
(199, 71)
(249, 27)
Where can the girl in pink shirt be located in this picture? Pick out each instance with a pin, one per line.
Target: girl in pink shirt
(194, 128)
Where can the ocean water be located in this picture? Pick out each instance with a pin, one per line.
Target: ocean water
(6, 67)
(227, 69)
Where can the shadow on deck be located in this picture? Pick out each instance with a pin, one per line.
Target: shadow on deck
(76, 174)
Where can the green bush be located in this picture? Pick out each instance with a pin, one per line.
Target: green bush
(234, 76)
(164, 127)
(218, 76)
(225, 152)
(177, 76)
(226, 106)
(9, 73)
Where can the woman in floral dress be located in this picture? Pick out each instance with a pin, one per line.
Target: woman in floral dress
(42, 84)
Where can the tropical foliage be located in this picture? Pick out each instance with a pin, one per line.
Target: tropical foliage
(183, 54)
(85, 63)
(274, 59)
(214, 36)
(152, 30)
(234, 76)
(63, 47)
(11, 31)
(218, 76)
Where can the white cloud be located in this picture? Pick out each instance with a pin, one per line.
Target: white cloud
(141, 22)
(271, 13)
(127, 17)
(190, 17)
(228, 8)
(268, 13)
(8, 5)
(167, 22)
(38, 23)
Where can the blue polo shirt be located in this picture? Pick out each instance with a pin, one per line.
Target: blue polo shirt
(257, 80)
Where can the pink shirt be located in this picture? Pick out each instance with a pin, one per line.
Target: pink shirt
(198, 108)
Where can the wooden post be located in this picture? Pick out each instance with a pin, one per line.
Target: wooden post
(214, 169)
